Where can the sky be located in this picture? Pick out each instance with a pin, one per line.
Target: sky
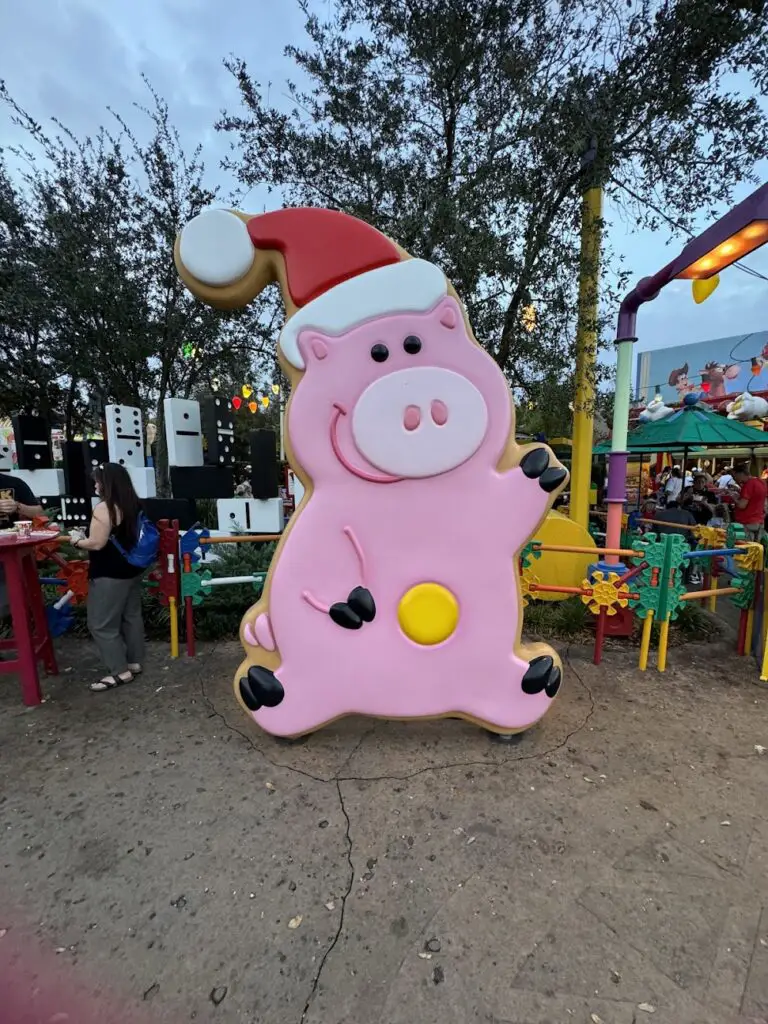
(71, 59)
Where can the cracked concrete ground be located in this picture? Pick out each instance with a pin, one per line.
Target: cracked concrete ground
(164, 861)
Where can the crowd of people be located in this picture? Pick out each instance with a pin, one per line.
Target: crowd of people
(734, 496)
(679, 502)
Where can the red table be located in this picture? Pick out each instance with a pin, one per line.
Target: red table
(31, 639)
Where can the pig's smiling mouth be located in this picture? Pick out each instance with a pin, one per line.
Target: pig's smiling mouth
(363, 474)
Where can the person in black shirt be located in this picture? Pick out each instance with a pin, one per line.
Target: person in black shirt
(680, 521)
(114, 592)
(674, 519)
(16, 502)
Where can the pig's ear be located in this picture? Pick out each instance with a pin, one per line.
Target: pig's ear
(447, 313)
(312, 346)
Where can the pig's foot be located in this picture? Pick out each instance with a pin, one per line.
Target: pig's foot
(542, 674)
(259, 632)
(357, 609)
(261, 688)
(535, 465)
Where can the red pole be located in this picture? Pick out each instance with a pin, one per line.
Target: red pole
(189, 613)
(741, 637)
(599, 637)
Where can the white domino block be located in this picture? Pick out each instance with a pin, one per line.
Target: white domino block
(6, 458)
(125, 435)
(297, 490)
(42, 481)
(250, 515)
(183, 432)
(143, 480)
(76, 511)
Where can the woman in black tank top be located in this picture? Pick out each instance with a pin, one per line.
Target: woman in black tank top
(114, 592)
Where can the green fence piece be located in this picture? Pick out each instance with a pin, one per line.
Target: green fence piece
(660, 586)
(192, 585)
(529, 552)
(745, 581)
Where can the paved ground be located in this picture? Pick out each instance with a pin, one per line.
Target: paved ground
(170, 863)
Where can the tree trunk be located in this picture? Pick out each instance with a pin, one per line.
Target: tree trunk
(162, 475)
(69, 415)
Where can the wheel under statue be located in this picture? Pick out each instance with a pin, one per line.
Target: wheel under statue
(394, 591)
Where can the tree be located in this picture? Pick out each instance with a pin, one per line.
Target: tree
(94, 291)
(461, 127)
(28, 378)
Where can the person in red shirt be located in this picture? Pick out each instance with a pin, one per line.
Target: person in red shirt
(750, 505)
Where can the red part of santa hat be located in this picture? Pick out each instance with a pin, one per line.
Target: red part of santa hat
(340, 271)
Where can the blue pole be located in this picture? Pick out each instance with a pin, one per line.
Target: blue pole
(52, 581)
(712, 553)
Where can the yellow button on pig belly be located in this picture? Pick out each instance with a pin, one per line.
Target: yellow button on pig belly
(428, 613)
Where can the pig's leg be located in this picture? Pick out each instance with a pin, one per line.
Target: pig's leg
(518, 696)
(533, 481)
(359, 606)
(260, 688)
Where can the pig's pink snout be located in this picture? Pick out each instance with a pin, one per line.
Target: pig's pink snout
(401, 426)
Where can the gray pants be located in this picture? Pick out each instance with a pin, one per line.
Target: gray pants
(115, 622)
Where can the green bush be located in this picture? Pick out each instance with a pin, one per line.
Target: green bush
(218, 617)
(566, 618)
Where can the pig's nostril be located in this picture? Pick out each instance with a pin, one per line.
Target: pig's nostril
(439, 412)
(412, 417)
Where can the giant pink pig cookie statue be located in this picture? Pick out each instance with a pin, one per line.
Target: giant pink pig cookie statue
(394, 591)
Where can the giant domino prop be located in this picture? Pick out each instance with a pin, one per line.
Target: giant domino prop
(395, 589)
(34, 451)
(125, 441)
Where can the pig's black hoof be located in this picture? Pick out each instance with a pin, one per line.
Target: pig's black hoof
(535, 465)
(261, 688)
(361, 602)
(543, 674)
(344, 616)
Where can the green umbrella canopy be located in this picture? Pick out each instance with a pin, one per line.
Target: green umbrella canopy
(693, 426)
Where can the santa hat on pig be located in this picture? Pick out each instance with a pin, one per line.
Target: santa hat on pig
(335, 271)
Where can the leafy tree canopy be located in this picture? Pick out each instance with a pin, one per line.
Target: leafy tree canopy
(468, 129)
(91, 305)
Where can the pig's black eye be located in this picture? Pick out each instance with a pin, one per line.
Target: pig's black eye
(379, 353)
(412, 344)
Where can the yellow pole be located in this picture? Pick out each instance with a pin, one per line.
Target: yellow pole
(586, 350)
(661, 663)
(645, 642)
(174, 627)
(712, 599)
(764, 667)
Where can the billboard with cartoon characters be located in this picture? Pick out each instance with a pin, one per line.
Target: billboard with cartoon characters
(725, 366)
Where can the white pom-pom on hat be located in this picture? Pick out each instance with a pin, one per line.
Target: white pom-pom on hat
(215, 247)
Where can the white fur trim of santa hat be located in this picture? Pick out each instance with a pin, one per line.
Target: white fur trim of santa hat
(410, 286)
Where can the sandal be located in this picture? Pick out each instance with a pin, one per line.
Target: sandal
(135, 669)
(109, 683)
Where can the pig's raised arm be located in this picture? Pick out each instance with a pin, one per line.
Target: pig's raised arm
(530, 485)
